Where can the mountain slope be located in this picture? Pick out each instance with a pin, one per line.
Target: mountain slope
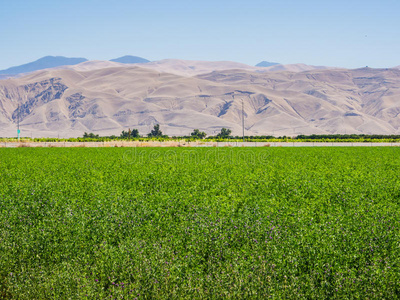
(335, 101)
(68, 102)
(43, 63)
(94, 65)
(295, 68)
(193, 67)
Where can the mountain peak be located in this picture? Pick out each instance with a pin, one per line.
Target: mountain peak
(266, 64)
(129, 59)
(43, 63)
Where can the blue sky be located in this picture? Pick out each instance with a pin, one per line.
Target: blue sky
(334, 33)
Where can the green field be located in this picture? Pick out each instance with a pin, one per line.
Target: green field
(210, 223)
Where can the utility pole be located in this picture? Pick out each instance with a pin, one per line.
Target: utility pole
(18, 131)
(243, 118)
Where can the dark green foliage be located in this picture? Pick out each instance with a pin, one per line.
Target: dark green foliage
(134, 133)
(262, 138)
(347, 136)
(205, 223)
(197, 134)
(224, 134)
(90, 135)
(156, 132)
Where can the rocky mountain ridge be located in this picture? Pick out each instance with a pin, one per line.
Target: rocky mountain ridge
(67, 102)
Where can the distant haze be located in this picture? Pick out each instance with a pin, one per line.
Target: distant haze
(129, 59)
(43, 63)
(175, 66)
(266, 64)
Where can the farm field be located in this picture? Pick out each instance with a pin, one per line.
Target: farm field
(204, 223)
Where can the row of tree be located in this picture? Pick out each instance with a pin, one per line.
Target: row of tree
(157, 133)
(347, 136)
(134, 133)
(226, 134)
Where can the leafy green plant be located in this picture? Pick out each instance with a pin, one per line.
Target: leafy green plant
(176, 223)
(197, 134)
(225, 133)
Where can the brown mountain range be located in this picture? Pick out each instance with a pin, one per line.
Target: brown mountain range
(106, 98)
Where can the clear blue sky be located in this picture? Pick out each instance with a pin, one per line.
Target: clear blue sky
(334, 33)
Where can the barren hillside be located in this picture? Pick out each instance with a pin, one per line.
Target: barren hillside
(107, 100)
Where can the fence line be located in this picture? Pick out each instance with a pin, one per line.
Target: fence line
(193, 144)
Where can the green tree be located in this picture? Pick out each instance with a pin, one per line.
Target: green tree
(134, 133)
(90, 135)
(156, 132)
(225, 133)
(197, 134)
